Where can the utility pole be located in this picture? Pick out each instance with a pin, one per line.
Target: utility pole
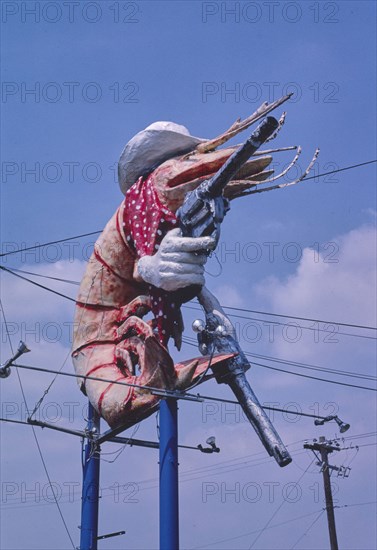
(90, 487)
(325, 448)
(169, 519)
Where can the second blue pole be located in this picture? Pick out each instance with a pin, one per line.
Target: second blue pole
(169, 514)
(90, 487)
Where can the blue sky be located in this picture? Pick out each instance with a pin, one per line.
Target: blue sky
(103, 71)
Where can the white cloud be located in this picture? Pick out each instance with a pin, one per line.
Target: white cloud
(228, 294)
(337, 285)
(341, 286)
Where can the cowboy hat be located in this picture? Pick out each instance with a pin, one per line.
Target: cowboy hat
(151, 147)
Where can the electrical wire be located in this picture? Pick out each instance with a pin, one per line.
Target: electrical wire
(314, 377)
(341, 169)
(198, 396)
(274, 368)
(308, 529)
(257, 364)
(358, 504)
(77, 283)
(87, 234)
(299, 318)
(229, 539)
(192, 341)
(338, 507)
(314, 329)
(37, 284)
(280, 506)
(68, 281)
(298, 374)
(315, 367)
(204, 373)
(36, 438)
(118, 452)
(39, 403)
(358, 436)
(49, 243)
(185, 477)
(100, 231)
(13, 272)
(223, 467)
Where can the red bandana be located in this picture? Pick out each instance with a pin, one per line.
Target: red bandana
(145, 222)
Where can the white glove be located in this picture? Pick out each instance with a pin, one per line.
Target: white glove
(179, 262)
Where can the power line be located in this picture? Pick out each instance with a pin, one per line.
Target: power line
(68, 281)
(202, 470)
(303, 177)
(185, 477)
(359, 436)
(74, 300)
(297, 373)
(314, 377)
(302, 365)
(77, 283)
(61, 368)
(358, 504)
(52, 489)
(315, 367)
(308, 529)
(39, 402)
(305, 328)
(100, 231)
(278, 525)
(12, 272)
(254, 532)
(178, 395)
(280, 506)
(229, 466)
(341, 169)
(299, 318)
(49, 243)
(190, 395)
(36, 438)
(37, 284)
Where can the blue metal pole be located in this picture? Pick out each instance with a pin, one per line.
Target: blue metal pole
(169, 520)
(90, 487)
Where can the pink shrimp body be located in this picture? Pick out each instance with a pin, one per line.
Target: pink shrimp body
(111, 340)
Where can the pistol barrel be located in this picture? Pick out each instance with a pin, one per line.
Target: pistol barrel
(259, 419)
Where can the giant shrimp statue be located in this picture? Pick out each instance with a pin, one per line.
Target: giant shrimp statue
(141, 263)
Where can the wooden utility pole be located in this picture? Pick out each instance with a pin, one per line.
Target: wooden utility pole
(325, 448)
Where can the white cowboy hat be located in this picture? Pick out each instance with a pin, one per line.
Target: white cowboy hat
(157, 143)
